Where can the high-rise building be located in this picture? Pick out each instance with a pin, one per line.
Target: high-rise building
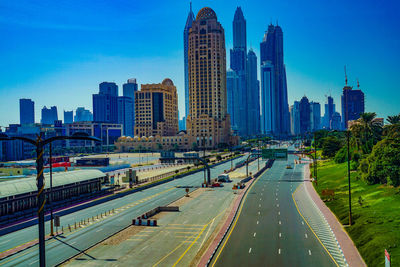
(238, 61)
(352, 104)
(295, 118)
(156, 110)
(208, 122)
(26, 111)
(105, 103)
(125, 114)
(315, 116)
(268, 105)
(49, 115)
(335, 121)
(253, 95)
(68, 116)
(188, 26)
(304, 109)
(82, 114)
(271, 51)
(329, 110)
(129, 90)
(232, 85)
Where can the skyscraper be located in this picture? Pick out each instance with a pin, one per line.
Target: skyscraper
(105, 103)
(125, 114)
(82, 114)
(68, 116)
(188, 25)
(329, 111)
(232, 85)
(352, 104)
(271, 51)
(156, 110)
(295, 118)
(315, 116)
(268, 105)
(304, 109)
(26, 111)
(129, 90)
(49, 115)
(238, 56)
(253, 95)
(208, 122)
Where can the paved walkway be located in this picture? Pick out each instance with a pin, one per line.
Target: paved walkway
(350, 251)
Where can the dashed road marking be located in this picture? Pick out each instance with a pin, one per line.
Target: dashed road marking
(279, 251)
(258, 213)
(257, 222)
(280, 234)
(302, 223)
(306, 235)
(309, 252)
(250, 250)
(279, 213)
(280, 222)
(254, 235)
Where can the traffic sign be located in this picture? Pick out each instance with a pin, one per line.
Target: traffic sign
(275, 153)
(387, 259)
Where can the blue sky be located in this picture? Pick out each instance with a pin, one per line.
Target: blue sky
(57, 52)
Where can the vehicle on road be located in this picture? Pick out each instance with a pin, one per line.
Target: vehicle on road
(224, 178)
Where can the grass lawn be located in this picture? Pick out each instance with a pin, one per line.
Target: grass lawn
(376, 221)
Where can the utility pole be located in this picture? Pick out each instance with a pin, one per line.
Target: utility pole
(51, 191)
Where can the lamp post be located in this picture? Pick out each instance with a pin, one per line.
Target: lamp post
(39, 143)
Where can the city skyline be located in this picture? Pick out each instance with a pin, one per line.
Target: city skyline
(69, 79)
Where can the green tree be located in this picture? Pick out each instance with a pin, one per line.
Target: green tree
(392, 130)
(383, 164)
(330, 145)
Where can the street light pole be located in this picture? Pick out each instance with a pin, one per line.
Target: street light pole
(39, 143)
(348, 174)
(51, 191)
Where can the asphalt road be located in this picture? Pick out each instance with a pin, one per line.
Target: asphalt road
(126, 208)
(269, 230)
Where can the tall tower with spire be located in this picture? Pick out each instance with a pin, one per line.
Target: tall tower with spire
(188, 25)
(238, 63)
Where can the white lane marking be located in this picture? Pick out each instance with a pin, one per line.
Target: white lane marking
(277, 205)
(99, 230)
(73, 243)
(279, 251)
(280, 234)
(302, 223)
(33, 262)
(258, 213)
(250, 250)
(257, 222)
(279, 213)
(260, 198)
(254, 235)
(261, 194)
(280, 222)
(309, 252)
(2, 243)
(306, 235)
(276, 199)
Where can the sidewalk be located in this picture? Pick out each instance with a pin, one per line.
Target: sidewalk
(350, 251)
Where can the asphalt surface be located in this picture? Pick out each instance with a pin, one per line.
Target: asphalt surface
(77, 240)
(269, 230)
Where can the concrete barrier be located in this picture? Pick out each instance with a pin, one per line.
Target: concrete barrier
(140, 222)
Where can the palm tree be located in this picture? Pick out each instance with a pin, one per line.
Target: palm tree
(367, 130)
(392, 130)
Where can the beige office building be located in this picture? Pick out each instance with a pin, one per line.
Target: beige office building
(156, 110)
(208, 122)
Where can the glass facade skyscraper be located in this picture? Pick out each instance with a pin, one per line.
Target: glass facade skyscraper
(129, 90)
(26, 111)
(238, 63)
(352, 104)
(271, 51)
(305, 115)
(105, 103)
(253, 95)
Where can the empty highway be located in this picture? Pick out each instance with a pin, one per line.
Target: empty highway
(269, 230)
